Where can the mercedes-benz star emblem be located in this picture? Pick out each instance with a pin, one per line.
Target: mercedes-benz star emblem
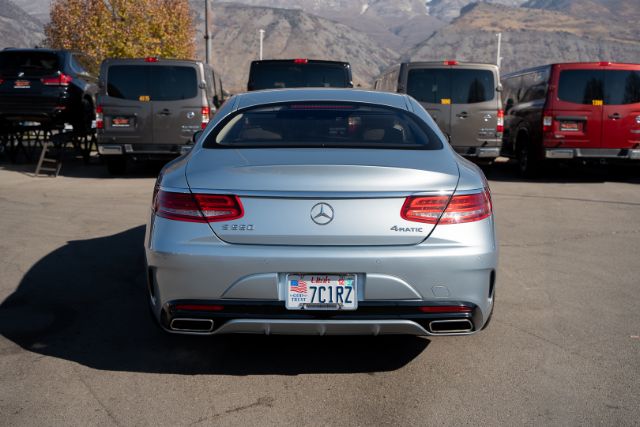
(322, 213)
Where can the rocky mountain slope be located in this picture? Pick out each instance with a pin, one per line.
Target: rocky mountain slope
(289, 34)
(530, 37)
(18, 28)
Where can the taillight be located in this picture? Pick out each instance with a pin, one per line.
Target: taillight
(450, 62)
(547, 122)
(59, 80)
(1, 81)
(197, 207)
(206, 113)
(151, 59)
(460, 209)
(300, 61)
(500, 121)
(99, 117)
(199, 307)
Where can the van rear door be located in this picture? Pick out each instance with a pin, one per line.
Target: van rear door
(126, 108)
(474, 106)
(577, 108)
(177, 102)
(431, 87)
(621, 110)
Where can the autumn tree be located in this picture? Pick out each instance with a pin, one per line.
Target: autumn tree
(122, 28)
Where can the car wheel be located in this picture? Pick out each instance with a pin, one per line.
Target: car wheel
(116, 165)
(528, 164)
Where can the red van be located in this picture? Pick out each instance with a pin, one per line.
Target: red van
(586, 111)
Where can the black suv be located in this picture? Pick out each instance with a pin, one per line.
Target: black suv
(52, 87)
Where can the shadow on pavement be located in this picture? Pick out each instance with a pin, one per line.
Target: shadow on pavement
(567, 173)
(86, 302)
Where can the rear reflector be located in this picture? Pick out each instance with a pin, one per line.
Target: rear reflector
(59, 80)
(99, 117)
(151, 59)
(460, 209)
(206, 115)
(500, 121)
(547, 122)
(604, 63)
(300, 61)
(199, 307)
(446, 309)
(197, 207)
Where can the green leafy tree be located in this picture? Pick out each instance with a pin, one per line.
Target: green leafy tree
(122, 28)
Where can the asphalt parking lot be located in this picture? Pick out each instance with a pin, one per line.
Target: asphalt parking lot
(77, 346)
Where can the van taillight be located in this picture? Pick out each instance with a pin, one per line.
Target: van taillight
(547, 122)
(99, 117)
(459, 209)
(59, 80)
(206, 113)
(197, 207)
(500, 121)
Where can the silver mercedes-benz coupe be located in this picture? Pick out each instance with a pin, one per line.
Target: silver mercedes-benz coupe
(321, 211)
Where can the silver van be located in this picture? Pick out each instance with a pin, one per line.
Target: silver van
(462, 98)
(149, 108)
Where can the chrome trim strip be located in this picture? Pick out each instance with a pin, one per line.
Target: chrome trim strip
(325, 195)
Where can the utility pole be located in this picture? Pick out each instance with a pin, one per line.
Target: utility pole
(261, 40)
(499, 58)
(207, 36)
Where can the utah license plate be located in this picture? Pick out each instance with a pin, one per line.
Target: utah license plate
(321, 292)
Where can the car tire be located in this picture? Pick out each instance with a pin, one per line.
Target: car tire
(529, 165)
(116, 165)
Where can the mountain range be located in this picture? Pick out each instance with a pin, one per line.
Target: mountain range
(374, 34)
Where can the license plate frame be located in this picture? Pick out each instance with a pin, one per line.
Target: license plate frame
(569, 126)
(322, 291)
(22, 84)
(121, 122)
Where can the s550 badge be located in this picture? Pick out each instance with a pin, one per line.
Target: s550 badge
(238, 227)
(407, 229)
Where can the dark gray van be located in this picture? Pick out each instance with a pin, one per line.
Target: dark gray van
(150, 107)
(462, 98)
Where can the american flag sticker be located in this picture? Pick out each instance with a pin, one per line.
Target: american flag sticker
(298, 286)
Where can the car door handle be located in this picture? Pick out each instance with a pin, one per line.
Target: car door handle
(614, 116)
(462, 115)
(165, 112)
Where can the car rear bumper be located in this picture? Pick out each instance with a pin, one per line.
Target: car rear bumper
(36, 108)
(268, 317)
(456, 265)
(132, 149)
(489, 151)
(592, 153)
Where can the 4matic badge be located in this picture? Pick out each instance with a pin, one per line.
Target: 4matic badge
(407, 229)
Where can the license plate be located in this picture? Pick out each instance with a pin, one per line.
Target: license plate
(120, 122)
(569, 126)
(22, 84)
(321, 292)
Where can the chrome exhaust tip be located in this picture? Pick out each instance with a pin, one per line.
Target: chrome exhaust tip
(182, 324)
(451, 326)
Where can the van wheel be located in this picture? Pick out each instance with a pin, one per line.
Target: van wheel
(529, 164)
(116, 165)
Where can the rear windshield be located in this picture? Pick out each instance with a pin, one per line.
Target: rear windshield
(331, 125)
(152, 82)
(281, 75)
(30, 63)
(455, 86)
(612, 87)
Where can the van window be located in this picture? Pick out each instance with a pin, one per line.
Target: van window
(472, 86)
(622, 87)
(282, 75)
(159, 83)
(580, 86)
(535, 86)
(430, 85)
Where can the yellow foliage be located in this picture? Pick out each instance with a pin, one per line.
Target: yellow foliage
(122, 28)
